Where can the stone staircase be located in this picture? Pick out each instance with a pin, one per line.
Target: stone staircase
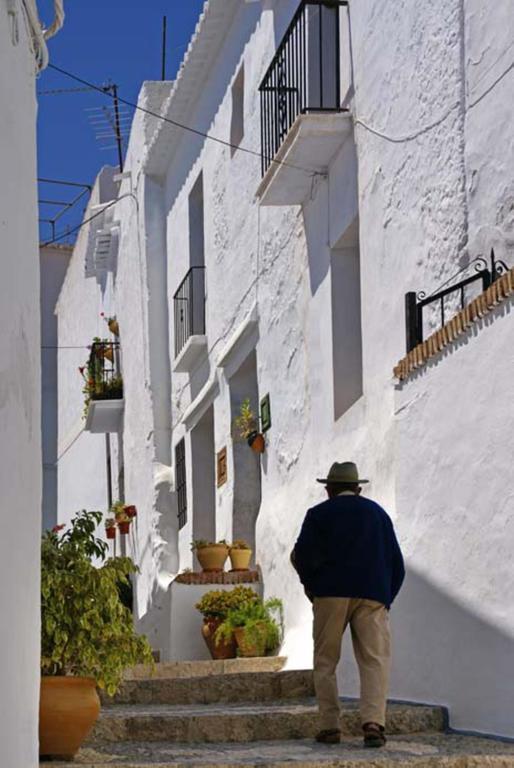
(239, 716)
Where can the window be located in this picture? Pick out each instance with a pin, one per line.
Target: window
(237, 127)
(180, 482)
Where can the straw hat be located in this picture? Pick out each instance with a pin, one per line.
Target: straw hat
(346, 472)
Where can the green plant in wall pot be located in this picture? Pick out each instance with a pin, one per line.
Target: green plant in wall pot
(87, 634)
(247, 425)
(256, 625)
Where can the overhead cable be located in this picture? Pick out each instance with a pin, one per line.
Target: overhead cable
(184, 127)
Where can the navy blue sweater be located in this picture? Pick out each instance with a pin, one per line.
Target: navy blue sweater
(348, 548)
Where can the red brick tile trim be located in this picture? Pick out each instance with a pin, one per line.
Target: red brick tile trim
(458, 325)
(224, 577)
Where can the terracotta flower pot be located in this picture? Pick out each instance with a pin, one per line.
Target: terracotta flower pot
(114, 327)
(221, 650)
(131, 511)
(213, 558)
(124, 527)
(253, 646)
(110, 533)
(257, 442)
(240, 559)
(68, 709)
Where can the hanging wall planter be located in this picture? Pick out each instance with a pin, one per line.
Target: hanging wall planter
(247, 424)
(110, 528)
(124, 527)
(257, 442)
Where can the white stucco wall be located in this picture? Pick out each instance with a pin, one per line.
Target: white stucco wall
(420, 185)
(20, 397)
(427, 188)
(53, 264)
(81, 460)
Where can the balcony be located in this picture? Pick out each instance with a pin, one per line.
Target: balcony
(302, 121)
(104, 388)
(189, 317)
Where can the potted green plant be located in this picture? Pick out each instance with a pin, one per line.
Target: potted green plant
(257, 627)
(212, 556)
(110, 528)
(87, 635)
(240, 555)
(214, 607)
(247, 424)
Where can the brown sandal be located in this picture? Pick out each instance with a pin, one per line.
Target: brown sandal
(374, 735)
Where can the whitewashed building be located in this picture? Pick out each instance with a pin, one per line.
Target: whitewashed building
(23, 53)
(358, 155)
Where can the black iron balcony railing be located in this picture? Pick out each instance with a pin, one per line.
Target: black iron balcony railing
(448, 301)
(304, 75)
(104, 381)
(189, 307)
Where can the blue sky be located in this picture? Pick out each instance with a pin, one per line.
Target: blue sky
(117, 40)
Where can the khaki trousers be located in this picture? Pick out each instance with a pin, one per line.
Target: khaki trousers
(369, 624)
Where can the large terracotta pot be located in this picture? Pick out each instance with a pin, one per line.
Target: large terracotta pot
(68, 709)
(240, 559)
(213, 558)
(253, 646)
(221, 650)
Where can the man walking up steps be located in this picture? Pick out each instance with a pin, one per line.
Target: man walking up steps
(351, 566)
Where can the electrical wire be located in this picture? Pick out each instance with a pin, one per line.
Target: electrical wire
(82, 224)
(182, 126)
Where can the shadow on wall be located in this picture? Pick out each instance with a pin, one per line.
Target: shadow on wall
(445, 654)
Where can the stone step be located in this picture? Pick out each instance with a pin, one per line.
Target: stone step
(410, 751)
(249, 722)
(177, 669)
(242, 686)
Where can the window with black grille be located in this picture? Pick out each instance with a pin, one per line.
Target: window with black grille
(180, 482)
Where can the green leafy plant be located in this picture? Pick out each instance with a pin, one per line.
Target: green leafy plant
(240, 544)
(262, 622)
(203, 544)
(218, 602)
(246, 423)
(85, 628)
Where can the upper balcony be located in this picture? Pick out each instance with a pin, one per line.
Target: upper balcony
(189, 320)
(302, 121)
(104, 388)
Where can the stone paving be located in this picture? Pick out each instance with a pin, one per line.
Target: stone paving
(246, 722)
(263, 718)
(415, 751)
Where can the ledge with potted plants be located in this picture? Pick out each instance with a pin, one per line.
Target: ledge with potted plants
(213, 556)
(87, 634)
(238, 622)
